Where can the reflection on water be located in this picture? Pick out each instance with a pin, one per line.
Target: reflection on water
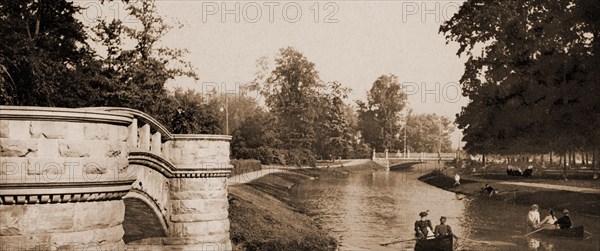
(366, 209)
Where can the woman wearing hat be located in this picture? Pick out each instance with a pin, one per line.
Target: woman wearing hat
(422, 225)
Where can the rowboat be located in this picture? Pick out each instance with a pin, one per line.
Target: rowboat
(574, 232)
(438, 244)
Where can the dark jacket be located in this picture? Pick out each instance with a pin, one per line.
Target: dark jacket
(421, 228)
(442, 231)
(564, 222)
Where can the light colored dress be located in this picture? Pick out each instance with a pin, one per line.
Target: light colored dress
(533, 219)
(549, 221)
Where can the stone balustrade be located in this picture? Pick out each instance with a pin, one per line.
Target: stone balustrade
(64, 174)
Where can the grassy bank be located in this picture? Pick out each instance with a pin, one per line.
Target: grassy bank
(262, 217)
(579, 203)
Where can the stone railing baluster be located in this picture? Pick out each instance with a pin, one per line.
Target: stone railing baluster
(144, 139)
(156, 143)
(132, 139)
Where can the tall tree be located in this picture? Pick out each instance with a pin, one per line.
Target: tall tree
(529, 75)
(291, 95)
(138, 75)
(333, 124)
(44, 57)
(379, 118)
(429, 133)
(310, 113)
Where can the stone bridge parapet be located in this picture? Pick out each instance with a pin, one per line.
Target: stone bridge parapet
(65, 174)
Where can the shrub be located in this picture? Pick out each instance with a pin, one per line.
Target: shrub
(245, 166)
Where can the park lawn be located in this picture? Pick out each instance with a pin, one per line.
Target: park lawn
(579, 203)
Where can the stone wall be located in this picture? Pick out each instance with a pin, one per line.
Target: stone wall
(51, 151)
(60, 174)
(63, 173)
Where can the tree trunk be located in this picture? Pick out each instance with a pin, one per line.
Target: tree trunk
(571, 159)
(595, 159)
(595, 163)
(565, 166)
(483, 159)
(37, 19)
(551, 158)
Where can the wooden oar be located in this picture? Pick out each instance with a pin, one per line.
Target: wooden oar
(530, 233)
(476, 241)
(394, 242)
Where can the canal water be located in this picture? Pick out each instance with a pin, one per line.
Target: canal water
(365, 209)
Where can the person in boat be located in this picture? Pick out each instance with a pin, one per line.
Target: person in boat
(564, 221)
(488, 190)
(549, 221)
(422, 226)
(442, 230)
(533, 217)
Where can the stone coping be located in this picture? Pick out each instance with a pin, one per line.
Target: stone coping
(215, 137)
(157, 126)
(62, 192)
(169, 170)
(143, 117)
(63, 115)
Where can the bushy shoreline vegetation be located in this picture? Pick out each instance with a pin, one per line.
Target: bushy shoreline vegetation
(531, 76)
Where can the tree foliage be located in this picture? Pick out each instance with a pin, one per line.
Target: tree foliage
(44, 57)
(309, 114)
(531, 75)
(379, 117)
(191, 112)
(138, 75)
(429, 133)
(45, 60)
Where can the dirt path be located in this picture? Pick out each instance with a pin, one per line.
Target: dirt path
(353, 162)
(555, 187)
(247, 177)
(250, 176)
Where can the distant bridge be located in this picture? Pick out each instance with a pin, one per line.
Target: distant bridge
(390, 159)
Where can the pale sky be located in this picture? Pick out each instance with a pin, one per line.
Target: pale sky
(353, 42)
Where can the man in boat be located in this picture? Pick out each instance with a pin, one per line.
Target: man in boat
(564, 221)
(422, 226)
(533, 217)
(442, 230)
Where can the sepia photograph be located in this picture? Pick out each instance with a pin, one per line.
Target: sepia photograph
(300, 125)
